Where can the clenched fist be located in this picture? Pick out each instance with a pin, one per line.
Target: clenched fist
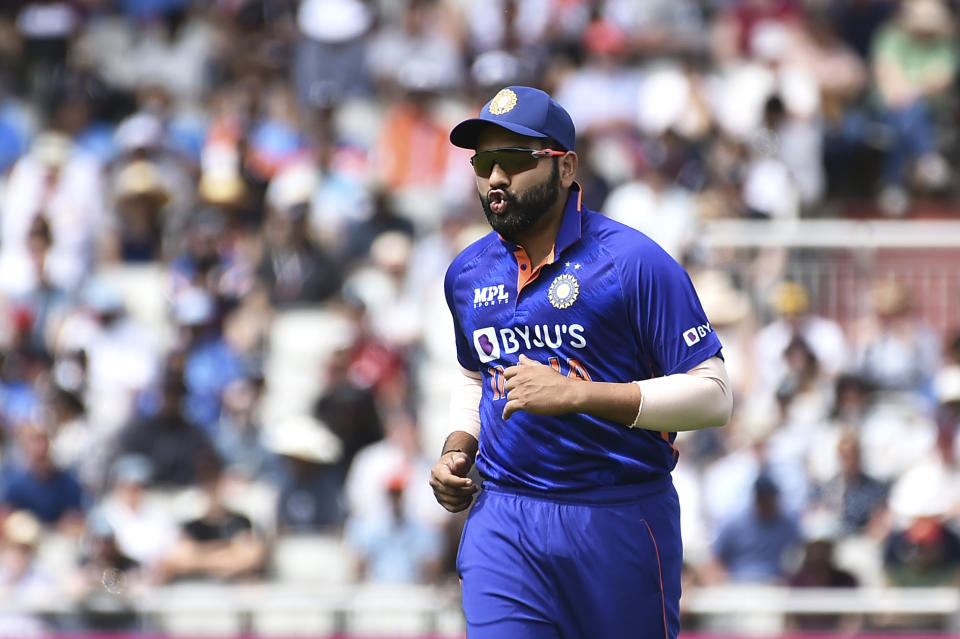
(451, 486)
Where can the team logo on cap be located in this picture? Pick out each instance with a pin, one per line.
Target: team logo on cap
(564, 290)
(503, 102)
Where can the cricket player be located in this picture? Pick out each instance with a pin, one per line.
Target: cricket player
(584, 350)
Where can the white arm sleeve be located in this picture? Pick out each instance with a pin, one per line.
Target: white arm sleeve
(699, 398)
(465, 403)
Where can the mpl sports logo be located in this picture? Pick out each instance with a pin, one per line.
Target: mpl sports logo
(490, 295)
(693, 335)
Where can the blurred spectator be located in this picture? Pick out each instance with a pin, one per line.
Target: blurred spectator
(731, 471)
(23, 580)
(164, 45)
(803, 391)
(311, 484)
(899, 432)
(22, 374)
(897, 351)
(221, 544)
(658, 206)
(73, 443)
(294, 269)
(391, 546)
(770, 191)
(859, 500)
(141, 526)
(209, 361)
(379, 283)
(660, 27)
(176, 449)
(151, 136)
(103, 579)
(205, 256)
(37, 485)
(54, 178)
(914, 60)
(605, 71)
(796, 318)
(341, 195)
(836, 68)
(931, 485)
(746, 23)
(414, 150)
(379, 463)
(753, 547)
(329, 60)
(802, 399)
(384, 218)
(39, 307)
(140, 200)
(925, 553)
(851, 408)
(418, 46)
(239, 437)
(275, 140)
(348, 404)
(818, 569)
(121, 355)
(46, 29)
(45, 302)
(507, 25)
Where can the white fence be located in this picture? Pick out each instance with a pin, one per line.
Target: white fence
(272, 610)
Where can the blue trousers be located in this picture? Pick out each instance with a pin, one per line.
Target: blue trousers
(600, 564)
(913, 136)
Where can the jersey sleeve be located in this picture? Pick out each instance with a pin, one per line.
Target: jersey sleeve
(667, 314)
(465, 353)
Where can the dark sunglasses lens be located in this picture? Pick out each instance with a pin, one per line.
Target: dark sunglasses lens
(509, 161)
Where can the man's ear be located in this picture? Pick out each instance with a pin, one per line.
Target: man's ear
(568, 169)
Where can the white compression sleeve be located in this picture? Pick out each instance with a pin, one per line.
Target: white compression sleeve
(699, 398)
(465, 403)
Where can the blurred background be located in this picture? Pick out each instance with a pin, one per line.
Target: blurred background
(225, 357)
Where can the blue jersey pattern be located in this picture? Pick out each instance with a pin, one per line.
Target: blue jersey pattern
(611, 307)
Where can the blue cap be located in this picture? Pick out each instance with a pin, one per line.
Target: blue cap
(522, 110)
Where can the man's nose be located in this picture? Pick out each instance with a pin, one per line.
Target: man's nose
(498, 177)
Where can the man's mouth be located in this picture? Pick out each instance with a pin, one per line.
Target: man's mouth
(497, 200)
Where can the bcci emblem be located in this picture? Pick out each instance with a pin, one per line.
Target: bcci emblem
(564, 290)
(503, 102)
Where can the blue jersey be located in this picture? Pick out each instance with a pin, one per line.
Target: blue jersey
(609, 305)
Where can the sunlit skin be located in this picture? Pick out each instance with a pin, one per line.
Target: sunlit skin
(537, 240)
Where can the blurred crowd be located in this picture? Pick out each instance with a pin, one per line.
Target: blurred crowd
(223, 230)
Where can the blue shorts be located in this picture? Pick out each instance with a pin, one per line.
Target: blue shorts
(602, 563)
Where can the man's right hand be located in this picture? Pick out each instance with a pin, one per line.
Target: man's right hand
(451, 486)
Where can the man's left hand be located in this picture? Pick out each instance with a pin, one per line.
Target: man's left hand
(536, 388)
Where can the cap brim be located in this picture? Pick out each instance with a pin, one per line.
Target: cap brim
(466, 133)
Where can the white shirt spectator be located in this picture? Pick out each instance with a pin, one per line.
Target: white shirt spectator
(72, 200)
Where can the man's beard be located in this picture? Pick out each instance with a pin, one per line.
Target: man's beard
(523, 211)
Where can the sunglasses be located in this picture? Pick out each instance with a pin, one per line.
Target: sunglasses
(511, 160)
